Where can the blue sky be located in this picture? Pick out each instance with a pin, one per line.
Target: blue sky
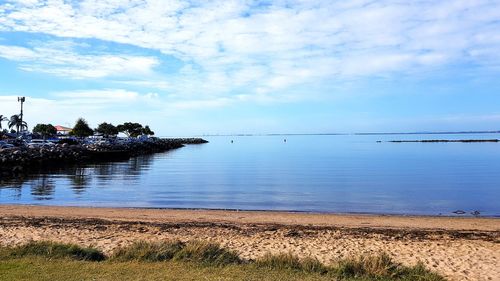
(223, 67)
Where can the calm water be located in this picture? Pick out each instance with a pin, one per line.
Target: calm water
(307, 173)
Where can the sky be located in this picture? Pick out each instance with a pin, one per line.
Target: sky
(255, 67)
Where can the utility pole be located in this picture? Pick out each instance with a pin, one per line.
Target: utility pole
(21, 100)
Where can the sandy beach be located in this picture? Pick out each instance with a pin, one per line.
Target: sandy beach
(459, 248)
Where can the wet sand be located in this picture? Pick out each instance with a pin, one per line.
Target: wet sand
(459, 248)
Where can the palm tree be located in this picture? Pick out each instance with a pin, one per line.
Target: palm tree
(16, 121)
(2, 119)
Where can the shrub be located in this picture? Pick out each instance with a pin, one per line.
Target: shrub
(146, 251)
(207, 254)
(382, 266)
(57, 250)
(291, 262)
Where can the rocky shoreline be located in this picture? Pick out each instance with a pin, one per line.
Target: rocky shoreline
(22, 160)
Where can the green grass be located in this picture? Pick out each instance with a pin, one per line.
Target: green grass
(189, 261)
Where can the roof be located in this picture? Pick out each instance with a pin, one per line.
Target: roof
(61, 128)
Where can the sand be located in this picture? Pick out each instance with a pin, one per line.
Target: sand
(459, 248)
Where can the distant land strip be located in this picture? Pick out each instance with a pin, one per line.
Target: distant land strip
(490, 140)
(355, 134)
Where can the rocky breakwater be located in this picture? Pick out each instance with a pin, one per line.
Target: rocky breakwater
(21, 160)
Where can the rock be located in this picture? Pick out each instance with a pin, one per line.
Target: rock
(25, 158)
(476, 213)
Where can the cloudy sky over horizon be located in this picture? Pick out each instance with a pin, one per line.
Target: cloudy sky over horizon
(208, 67)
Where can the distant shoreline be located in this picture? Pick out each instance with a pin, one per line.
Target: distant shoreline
(467, 141)
(352, 134)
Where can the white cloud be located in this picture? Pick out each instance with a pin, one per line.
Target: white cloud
(60, 59)
(112, 96)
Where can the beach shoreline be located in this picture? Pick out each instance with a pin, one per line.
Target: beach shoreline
(352, 220)
(461, 248)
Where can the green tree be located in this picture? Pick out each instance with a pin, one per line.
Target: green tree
(81, 129)
(16, 122)
(107, 129)
(46, 130)
(2, 119)
(147, 131)
(131, 129)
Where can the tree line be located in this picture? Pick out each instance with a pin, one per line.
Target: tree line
(82, 129)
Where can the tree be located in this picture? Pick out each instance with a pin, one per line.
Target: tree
(2, 119)
(147, 131)
(81, 129)
(16, 121)
(130, 129)
(46, 130)
(107, 129)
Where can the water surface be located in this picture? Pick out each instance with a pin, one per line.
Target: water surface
(339, 173)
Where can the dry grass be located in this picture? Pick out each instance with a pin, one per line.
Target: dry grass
(194, 251)
(382, 267)
(207, 254)
(56, 250)
(291, 262)
(147, 251)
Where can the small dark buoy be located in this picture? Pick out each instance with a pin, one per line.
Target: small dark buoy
(284, 140)
(231, 141)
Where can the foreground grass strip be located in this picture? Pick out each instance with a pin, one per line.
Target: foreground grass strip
(148, 251)
(199, 257)
(56, 250)
(207, 254)
(41, 269)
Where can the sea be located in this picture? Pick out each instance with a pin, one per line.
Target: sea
(301, 173)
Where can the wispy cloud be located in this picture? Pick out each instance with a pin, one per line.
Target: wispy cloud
(59, 58)
(109, 97)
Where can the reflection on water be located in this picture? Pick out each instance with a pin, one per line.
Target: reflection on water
(306, 173)
(77, 177)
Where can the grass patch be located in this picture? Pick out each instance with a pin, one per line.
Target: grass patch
(207, 254)
(55, 250)
(382, 267)
(195, 251)
(148, 251)
(291, 262)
